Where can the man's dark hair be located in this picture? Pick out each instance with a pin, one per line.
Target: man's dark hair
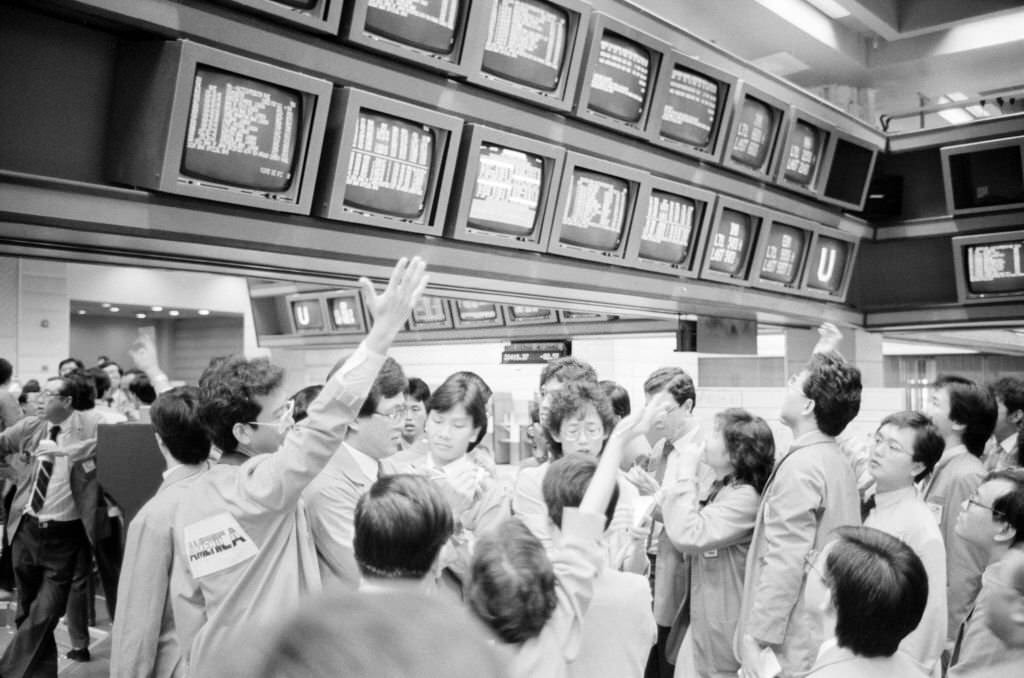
(227, 395)
(301, 400)
(78, 386)
(573, 399)
(459, 389)
(566, 481)
(619, 397)
(1009, 508)
(31, 386)
(142, 388)
(401, 523)
(175, 418)
(676, 380)
(100, 381)
(108, 363)
(418, 390)
(390, 382)
(750, 445)
(512, 582)
(478, 380)
(1010, 391)
(928, 442)
(79, 365)
(879, 589)
(834, 386)
(566, 369)
(6, 370)
(973, 406)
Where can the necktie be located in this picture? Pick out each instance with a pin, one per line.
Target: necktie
(43, 476)
(662, 461)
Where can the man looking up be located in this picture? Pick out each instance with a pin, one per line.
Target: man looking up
(242, 547)
(1001, 451)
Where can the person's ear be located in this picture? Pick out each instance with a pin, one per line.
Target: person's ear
(959, 428)
(916, 468)
(687, 405)
(242, 432)
(1015, 416)
(1006, 533)
(808, 408)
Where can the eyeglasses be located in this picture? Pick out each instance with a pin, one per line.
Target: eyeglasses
(998, 515)
(588, 432)
(890, 445)
(285, 420)
(46, 395)
(395, 414)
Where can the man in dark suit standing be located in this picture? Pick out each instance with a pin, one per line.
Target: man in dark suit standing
(52, 518)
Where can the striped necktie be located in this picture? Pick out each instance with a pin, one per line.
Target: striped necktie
(43, 476)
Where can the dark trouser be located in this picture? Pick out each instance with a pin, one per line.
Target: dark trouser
(45, 555)
(658, 665)
(81, 614)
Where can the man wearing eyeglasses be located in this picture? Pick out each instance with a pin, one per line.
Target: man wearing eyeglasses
(52, 518)
(332, 496)
(992, 519)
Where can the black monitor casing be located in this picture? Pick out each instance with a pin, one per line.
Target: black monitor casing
(323, 17)
(780, 109)
(759, 216)
(842, 182)
(826, 131)
(815, 260)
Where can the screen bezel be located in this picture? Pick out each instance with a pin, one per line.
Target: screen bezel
(826, 170)
(308, 296)
(345, 108)
(840, 294)
(444, 324)
(357, 301)
(550, 319)
(767, 171)
(724, 79)
(691, 267)
(497, 321)
(948, 152)
(325, 18)
(562, 99)
(960, 244)
(759, 214)
(600, 23)
(554, 158)
(636, 178)
(815, 185)
(454, 64)
(809, 228)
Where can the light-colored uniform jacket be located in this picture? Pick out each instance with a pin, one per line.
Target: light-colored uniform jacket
(244, 555)
(811, 492)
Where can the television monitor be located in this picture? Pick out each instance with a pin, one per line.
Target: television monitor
(596, 203)
(431, 313)
(989, 267)
(583, 317)
(674, 216)
(782, 252)
(755, 129)
(427, 32)
(345, 312)
(200, 122)
(307, 313)
(322, 16)
(529, 315)
(802, 153)
(477, 314)
(529, 49)
(984, 176)
(848, 174)
(829, 265)
(730, 244)
(505, 195)
(388, 163)
(622, 67)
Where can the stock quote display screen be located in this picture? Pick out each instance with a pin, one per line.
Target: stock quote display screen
(526, 42)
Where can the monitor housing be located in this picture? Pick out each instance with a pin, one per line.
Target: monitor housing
(989, 267)
(497, 42)
(467, 313)
(846, 175)
(505, 165)
(801, 154)
(307, 313)
(731, 239)
(583, 222)
(686, 115)
(529, 315)
(615, 91)
(782, 251)
(322, 16)
(754, 132)
(403, 191)
(346, 313)
(829, 266)
(160, 141)
(659, 240)
(431, 313)
(985, 176)
(434, 38)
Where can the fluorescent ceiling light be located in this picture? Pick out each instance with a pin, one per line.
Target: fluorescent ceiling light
(781, 64)
(830, 8)
(808, 19)
(955, 116)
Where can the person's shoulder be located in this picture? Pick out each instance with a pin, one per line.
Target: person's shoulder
(967, 464)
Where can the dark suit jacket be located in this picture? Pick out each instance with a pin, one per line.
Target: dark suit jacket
(17, 442)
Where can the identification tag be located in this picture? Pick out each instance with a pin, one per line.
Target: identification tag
(217, 543)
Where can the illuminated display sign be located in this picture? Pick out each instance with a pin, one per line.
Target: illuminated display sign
(595, 213)
(345, 312)
(753, 137)
(783, 254)
(995, 269)
(426, 24)
(803, 152)
(730, 243)
(526, 43)
(308, 315)
(668, 230)
(507, 192)
(619, 81)
(690, 114)
(826, 267)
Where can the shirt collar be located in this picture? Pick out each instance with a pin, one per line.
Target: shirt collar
(65, 425)
(1009, 443)
(366, 463)
(893, 497)
(690, 436)
(171, 469)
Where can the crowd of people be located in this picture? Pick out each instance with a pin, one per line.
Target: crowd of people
(360, 527)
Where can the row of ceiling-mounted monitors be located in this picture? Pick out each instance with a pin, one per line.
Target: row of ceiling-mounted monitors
(202, 122)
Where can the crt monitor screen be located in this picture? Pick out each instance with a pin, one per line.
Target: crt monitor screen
(308, 315)
(526, 43)
(595, 211)
(506, 198)
(241, 132)
(691, 109)
(478, 311)
(391, 166)
(668, 231)
(425, 24)
(802, 153)
(530, 313)
(730, 243)
(299, 4)
(983, 178)
(753, 139)
(828, 264)
(996, 268)
(618, 87)
(848, 175)
(783, 254)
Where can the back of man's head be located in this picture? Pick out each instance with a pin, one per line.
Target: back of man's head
(175, 418)
(1009, 507)
(80, 388)
(6, 370)
(390, 382)
(566, 369)
(142, 388)
(676, 380)
(401, 523)
(834, 386)
(100, 380)
(227, 395)
(566, 481)
(972, 406)
(879, 589)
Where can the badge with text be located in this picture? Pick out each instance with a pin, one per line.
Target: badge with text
(215, 544)
(936, 510)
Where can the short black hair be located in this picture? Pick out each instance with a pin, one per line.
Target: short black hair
(142, 388)
(461, 389)
(401, 523)
(79, 365)
(390, 382)
(175, 418)
(676, 380)
(78, 386)
(418, 390)
(301, 400)
(834, 386)
(1010, 391)
(99, 379)
(879, 589)
(6, 370)
(565, 369)
(227, 395)
(1010, 506)
(512, 582)
(750, 445)
(972, 406)
(31, 386)
(110, 363)
(928, 442)
(566, 481)
(619, 397)
(570, 400)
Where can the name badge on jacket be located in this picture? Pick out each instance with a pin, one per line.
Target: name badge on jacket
(936, 510)
(217, 543)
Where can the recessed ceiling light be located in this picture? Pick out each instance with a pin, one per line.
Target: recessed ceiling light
(140, 316)
(156, 308)
(114, 309)
(174, 313)
(105, 304)
(81, 311)
(203, 311)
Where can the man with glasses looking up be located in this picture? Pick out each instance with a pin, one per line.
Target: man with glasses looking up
(907, 446)
(992, 519)
(242, 546)
(332, 496)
